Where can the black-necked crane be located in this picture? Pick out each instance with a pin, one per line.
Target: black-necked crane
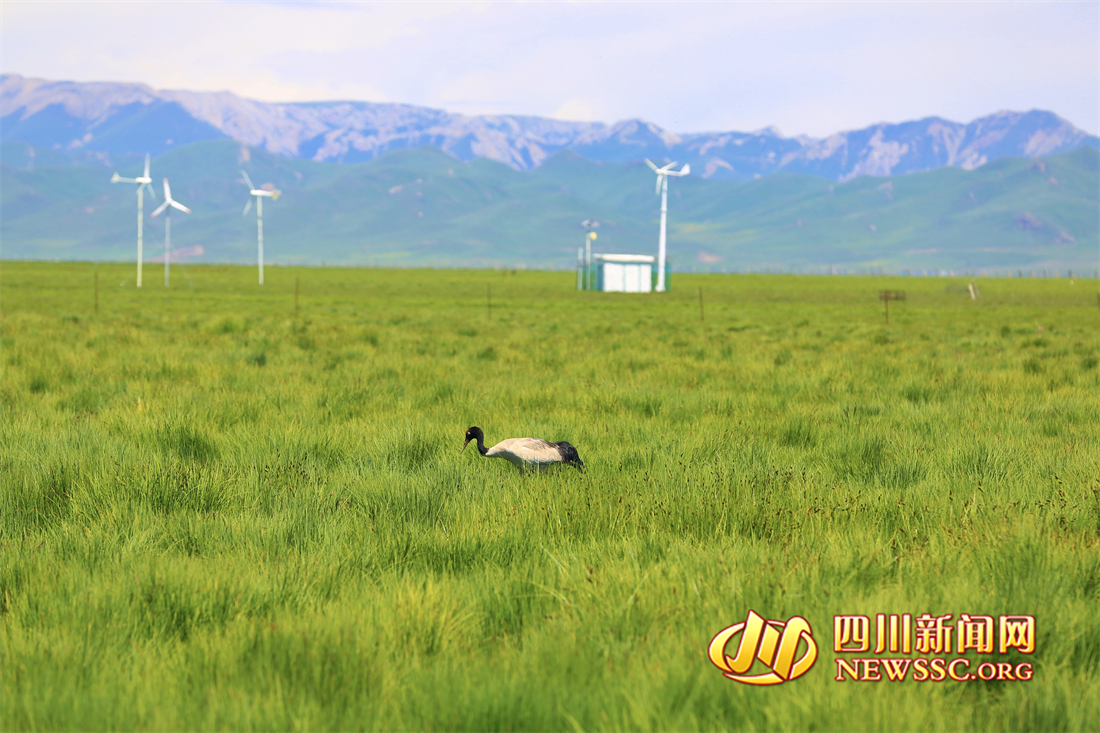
(527, 454)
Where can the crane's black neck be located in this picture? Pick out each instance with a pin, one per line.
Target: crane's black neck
(476, 434)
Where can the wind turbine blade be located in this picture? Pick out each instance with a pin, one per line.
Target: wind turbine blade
(152, 191)
(248, 181)
(669, 167)
(167, 191)
(146, 166)
(161, 208)
(181, 207)
(686, 169)
(116, 178)
(650, 164)
(247, 207)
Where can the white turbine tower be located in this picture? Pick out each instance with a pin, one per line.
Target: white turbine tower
(168, 201)
(259, 193)
(662, 188)
(145, 182)
(589, 235)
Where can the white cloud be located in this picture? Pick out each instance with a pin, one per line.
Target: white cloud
(810, 68)
(576, 110)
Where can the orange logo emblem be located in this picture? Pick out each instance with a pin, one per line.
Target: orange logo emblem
(775, 643)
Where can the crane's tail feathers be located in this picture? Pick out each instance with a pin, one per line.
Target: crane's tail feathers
(570, 457)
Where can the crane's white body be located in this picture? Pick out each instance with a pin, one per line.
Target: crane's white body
(143, 181)
(662, 188)
(259, 193)
(168, 202)
(527, 454)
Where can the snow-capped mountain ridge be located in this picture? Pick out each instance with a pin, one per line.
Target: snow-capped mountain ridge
(105, 119)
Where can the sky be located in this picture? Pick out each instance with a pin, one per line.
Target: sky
(806, 68)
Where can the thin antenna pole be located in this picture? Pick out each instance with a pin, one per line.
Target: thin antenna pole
(260, 234)
(587, 261)
(589, 274)
(167, 245)
(661, 242)
(141, 225)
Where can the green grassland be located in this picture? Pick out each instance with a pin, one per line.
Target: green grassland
(218, 515)
(420, 206)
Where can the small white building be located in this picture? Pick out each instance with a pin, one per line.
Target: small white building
(624, 273)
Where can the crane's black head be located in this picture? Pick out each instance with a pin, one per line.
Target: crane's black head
(474, 433)
(569, 455)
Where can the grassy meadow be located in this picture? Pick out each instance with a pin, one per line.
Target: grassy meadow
(218, 515)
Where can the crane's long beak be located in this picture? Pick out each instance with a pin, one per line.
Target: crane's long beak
(464, 445)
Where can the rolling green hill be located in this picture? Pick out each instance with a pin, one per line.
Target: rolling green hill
(422, 207)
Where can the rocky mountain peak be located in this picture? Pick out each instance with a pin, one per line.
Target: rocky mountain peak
(106, 118)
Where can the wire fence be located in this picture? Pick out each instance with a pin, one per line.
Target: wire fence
(1002, 272)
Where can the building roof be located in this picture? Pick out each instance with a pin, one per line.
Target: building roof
(625, 258)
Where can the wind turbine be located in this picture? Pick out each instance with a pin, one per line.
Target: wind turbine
(259, 193)
(146, 182)
(168, 201)
(662, 188)
(589, 235)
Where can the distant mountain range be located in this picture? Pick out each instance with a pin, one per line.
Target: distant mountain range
(115, 123)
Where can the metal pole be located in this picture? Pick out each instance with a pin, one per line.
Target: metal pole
(141, 224)
(167, 246)
(661, 242)
(260, 234)
(588, 283)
